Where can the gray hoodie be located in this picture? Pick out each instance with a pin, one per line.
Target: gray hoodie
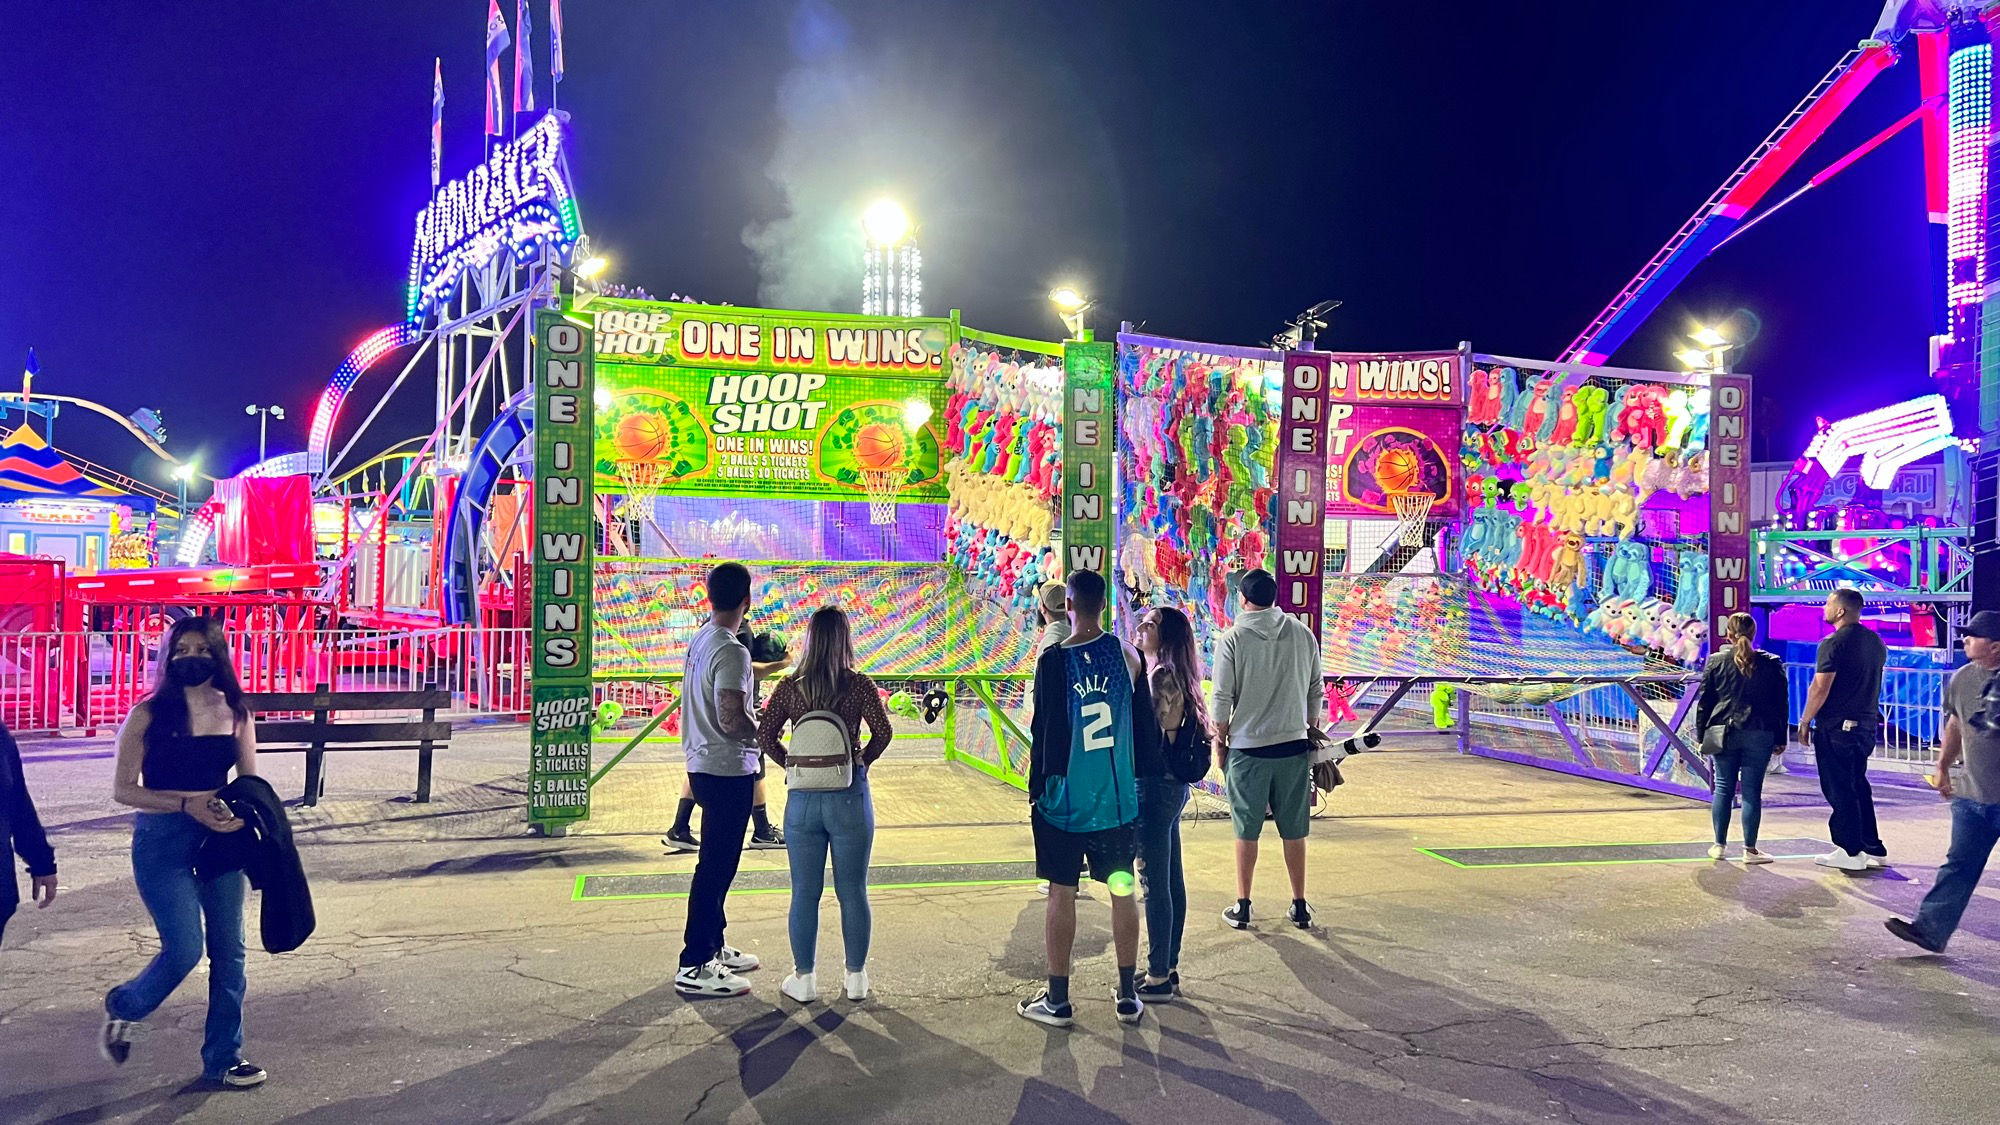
(1267, 679)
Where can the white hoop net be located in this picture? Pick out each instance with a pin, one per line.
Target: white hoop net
(642, 480)
(1413, 510)
(882, 485)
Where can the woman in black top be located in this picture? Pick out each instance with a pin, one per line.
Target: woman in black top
(1742, 691)
(175, 750)
(1165, 641)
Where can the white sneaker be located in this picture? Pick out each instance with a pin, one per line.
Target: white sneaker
(1876, 862)
(1841, 861)
(709, 980)
(735, 960)
(857, 985)
(1752, 855)
(1715, 851)
(803, 987)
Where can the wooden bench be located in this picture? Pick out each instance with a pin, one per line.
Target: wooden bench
(315, 736)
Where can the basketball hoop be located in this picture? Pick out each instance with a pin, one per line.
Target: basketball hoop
(1413, 511)
(882, 485)
(642, 480)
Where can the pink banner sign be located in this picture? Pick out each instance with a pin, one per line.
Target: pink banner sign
(1394, 424)
(1728, 499)
(1300, 502)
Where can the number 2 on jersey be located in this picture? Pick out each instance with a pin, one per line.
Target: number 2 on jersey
(1096, 726)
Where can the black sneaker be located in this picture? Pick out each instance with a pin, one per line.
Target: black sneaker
(243, 1075)
(1161, 993)
(116, 1043)
(681, 840)
(1301, 914)
(1238, 916)
(770, 838)
(1913, 935)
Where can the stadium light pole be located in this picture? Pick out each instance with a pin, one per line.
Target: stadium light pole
(264, 415)
(1707, 352)
(1070, 305)
(183, 473)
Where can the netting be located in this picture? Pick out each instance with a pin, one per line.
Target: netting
(910, 620)
(881, 486)
(1412, 513)
(802, 530)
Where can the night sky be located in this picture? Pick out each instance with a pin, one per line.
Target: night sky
(208, 203)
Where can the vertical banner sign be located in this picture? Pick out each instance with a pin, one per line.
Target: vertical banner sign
(1728, 500)
(565, 549)
(1089, 441)
(1301, 495)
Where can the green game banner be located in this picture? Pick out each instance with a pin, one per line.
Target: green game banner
(1089, 443)
(564, 547)
(711, 400)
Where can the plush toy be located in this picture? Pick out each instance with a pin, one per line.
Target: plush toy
(1624, 513)
(1564, 430)
(1679, 421)
(1659, 476)
(1590, 406)
(1539, 419)
(1644, 420)
(1628, 572)
(1444, 700)
(1685, 645)
(1691, 585)
(1698, 407)
(1600, 468)
(1517, 399)
(1478, 396)
(1568, 561)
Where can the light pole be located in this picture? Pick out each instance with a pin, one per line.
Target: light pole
(1070, 305)
(892, 267)
(1708, 351)
(183, 473)
(264, 416)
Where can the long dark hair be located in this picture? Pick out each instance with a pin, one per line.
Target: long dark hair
(1741, 629)
(167, 707)
(1181, 660)
(828, 659)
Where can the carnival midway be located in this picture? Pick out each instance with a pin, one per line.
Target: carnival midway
(1527, 561)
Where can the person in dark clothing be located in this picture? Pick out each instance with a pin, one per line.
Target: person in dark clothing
(21, 831)
(1166, 644)
(1743, 692)
(1845, 701)
(175, 754)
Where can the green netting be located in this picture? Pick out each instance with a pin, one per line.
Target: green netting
(910, 620)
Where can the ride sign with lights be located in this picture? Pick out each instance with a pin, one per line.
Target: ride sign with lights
(517, 202)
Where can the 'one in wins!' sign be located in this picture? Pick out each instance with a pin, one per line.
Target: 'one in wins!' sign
(1300, 500)
(565, 550)
(1089, 439)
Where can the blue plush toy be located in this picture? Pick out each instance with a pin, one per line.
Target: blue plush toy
(1691, 586)
(1628, 573)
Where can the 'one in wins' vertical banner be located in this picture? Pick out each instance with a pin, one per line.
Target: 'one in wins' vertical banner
(1301, 497)
(1089, 441)
(1728, 500)
(565, 551)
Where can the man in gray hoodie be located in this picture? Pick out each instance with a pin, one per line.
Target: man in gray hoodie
(1268, 696)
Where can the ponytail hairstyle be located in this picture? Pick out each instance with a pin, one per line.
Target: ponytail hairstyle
(828, 659)
(1741, 629)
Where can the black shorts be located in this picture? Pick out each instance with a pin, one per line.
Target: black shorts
(1060, 856)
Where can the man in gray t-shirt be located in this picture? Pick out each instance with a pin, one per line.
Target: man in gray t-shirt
(719, 735)
(1968, 775)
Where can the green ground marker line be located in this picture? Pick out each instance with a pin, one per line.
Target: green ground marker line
(1595, 862)
(577, 895)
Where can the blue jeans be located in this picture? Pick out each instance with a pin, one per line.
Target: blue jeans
(163, 854)
(1739, 771)
(1974, 829)
(841, 821)
(1160, 804)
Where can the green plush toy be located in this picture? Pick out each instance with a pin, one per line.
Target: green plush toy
(1444, 700)
(1591, 404)
(608, 714)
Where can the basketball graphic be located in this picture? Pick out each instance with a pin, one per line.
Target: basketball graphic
(642, 437)
(878, 447)
(1398, 469)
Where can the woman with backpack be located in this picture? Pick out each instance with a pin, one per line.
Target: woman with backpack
(827, 807)
(1743, 719)
(1166, 647)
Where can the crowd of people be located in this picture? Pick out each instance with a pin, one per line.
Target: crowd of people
(1119, 732)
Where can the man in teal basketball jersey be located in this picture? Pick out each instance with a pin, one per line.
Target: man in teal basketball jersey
(1093, 735)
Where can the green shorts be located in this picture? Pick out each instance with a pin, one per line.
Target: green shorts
(1280, 786)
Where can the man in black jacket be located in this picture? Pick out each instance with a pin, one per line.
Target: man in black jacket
(21, 830)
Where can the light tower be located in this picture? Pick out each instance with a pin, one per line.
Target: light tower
(892, 270)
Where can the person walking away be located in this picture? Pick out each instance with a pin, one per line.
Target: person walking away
(819, 821)
(767, 658)
(1268, 698)
(1053, 603)
(175, 751)
(1091, 737)
(21, 830)
(1841, 717)
(1166, 644)
(1741, 719)
(719, 735)
(1968, 776)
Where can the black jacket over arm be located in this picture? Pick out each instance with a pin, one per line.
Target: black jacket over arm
(1049, 733)
(263, 850)
(1753, 702)
(20, 827)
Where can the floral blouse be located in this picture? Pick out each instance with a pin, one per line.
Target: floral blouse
(859, 701)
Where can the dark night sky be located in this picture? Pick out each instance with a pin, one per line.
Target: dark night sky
(209, 203)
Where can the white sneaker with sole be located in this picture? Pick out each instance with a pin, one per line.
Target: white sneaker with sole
(1752, 855)
(709, 980)
(735, 960)
(1841, 861)
(243, 1075)
(1715, 851)
(116, 1042)
(1876, 862)
(1038, 1008)
(857, 985)
(803, 987)
(1129, 1008)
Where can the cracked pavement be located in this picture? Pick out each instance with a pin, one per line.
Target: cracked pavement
(454, 979)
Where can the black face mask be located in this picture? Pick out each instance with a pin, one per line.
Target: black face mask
(191, 671)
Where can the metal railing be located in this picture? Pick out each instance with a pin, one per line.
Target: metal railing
(66, 680)
(1912, 713)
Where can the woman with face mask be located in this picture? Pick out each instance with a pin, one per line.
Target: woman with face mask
(174, 752)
